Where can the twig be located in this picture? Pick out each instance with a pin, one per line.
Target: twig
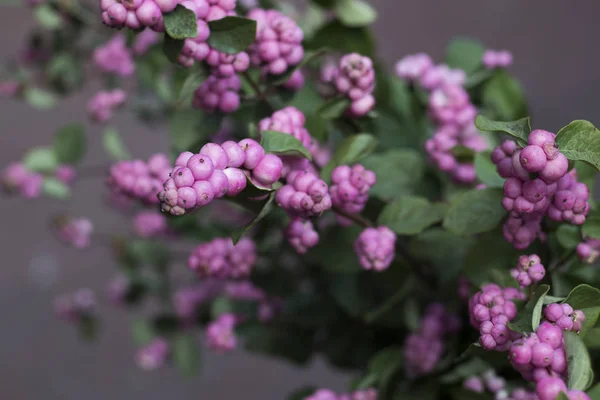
(357, 218)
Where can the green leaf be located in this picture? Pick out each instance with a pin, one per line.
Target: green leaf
(463, 153)
(142, 332)
(276, 340)
(355, 13)
(562, 396)
(409, 215)
(39, 99)
(586, 173)
(191, 83)
(88, 327)
(398, 172)
(47, 17)
(581, 375)
(223, 305)
(55, 188)
(591, 227)
(334, 108)
(473, 366)
(40, 159)
(475, 211)
(70, 144)
(309, 57)
(392, 302)
(232, 34)
(587, 299)
(266, 209)
(351, 151)
(172, 48)
(181, 23)
(332, 250)
(518, 129)
(283, 144)
(504, 96)
(302, 393)
(187, 131)
(486, 170)
(345, 39)
(568, 236)
(400, 97)
(186, 354)
(465, 54)
(594, 392)
(488, 252)
(580, 140)
(529, 319)
(114, 146)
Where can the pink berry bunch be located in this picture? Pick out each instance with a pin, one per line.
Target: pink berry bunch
(550, 387)
(218, 94)
(144, 41)
(117, 290)
(186, 300)
(570, 203)
(226, 65)
(296, 81)
(153, 356)
(114, 57)
(589, 250)
(278, 44)
(564, 317)
(326, 394)
(101, 107)
(9, 88)
(221, 259)
(354, 78)
(424, 348)
(413, 66)
(73, 307)
(419, 68)
(350, 189)
(216, 171)
(150, 223)
(490, 311)
(220, 333)
(136, 14)
(138, 179)
(529, 270)
(301, 235)
(497, 59)
(375, 248)
(65, 173)
(490, 382)
(304, 195)
(75, 232)
(16, 177)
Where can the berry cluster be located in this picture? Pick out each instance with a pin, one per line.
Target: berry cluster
(186, 300)
(144, 41)
(17, 177)
(245, 290)
(153, 355)
(220, 333)
(529, 270)
(138, 179)
(304, 195)
(136, 14)
(497, 59)
(550, 387)
(101, 106)
(150, 223)
(117, 290)
(326, 394)
(75, 232)
(354, 78)
(564, 317)
(424, 348)
(218, 94)
(301, 235)
(350, 189)
(216, 171)
(490, 310)
(220, 258)
(420, 68)
(114, 57)
(296, 81)
(489, 381)
(278, 44)
(74, 307)
(589, 250)
(375, 248)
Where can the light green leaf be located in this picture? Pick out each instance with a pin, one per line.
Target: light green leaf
(398, 172)
(114, 146)
(41, 159)
(47, 17)
(504, 96)
(40, 99)
(334, 108)
(186, 354)
(409, 215)
(181, 23)
(332, 250)
(518, 129)
(475, 211)
(568, 236)
(309, 57)
(587, 299)
(486, 170)
(283, 144)
(355, 13)
(351, 151)
(580, 140)
(232, 34)
(345, 39)
(465, 54)
(581, 375)
(489, 252)
(55, 188)
(142, 332)
(70, 144)
(529, 319)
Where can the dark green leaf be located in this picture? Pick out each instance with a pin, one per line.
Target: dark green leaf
(518, 129)
(504, 96)
(302, 393)
(191, 83)
(142, 332)
(398, 172)
(586, 173)
(283, 144)
(594, 392)
(458, 374)
(587, 299)
(172, 48)
(486, 170)
(352, 150)
(392, 302)
(40, 159)
(568, 236)
(475, 211)
(400, 97)
(266, 209)
(463, 154)
(591, 227)
(309, 57)
(345, 39)
(224, 305)
(114, 146)
(334, 108)
(47, 17)
(186, 130)
(290, 343)
(409, 215)
(332, 250)
(55, 188)
(580, 140)
(186, 354)
(70, 144)
(232, 34)
(581, 375)
(89, 326)
(465, 54)
(529, 319)
(355, 13)
(489, 252)
(181, 23)
(40, 99)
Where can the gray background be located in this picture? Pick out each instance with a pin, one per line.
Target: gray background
(556, 57)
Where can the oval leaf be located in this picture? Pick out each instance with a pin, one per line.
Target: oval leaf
(232, 34)
(114, 146)
(186, 354)
(581, 375)
(504, 96)
(40, 99)
(181, 23)
(283, 144)
(587, 299)
(580, 140)
(486, 170)
(410, 215)
(355, 13)
(172, 48)
(266, 209)
(352, 150)
(398, 172)
(70, 143)
(518, 129)
(40, 159)
(55, 188)
(529, 319)
(47, 17)
(475, 211)
(334, 108)
(465, 54)
(568, 236)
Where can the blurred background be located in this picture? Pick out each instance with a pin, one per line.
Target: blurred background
(554, 46)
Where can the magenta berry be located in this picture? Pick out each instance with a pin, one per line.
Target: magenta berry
(114, 57)
(375, 248)
(221, 259)
(301, 235)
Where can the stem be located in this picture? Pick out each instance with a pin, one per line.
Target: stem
(259, 93)
(356, 218)
(562, 261)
